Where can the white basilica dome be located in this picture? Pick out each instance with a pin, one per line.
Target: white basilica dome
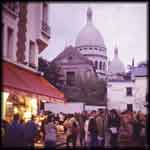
(89, 35)
(116, 65)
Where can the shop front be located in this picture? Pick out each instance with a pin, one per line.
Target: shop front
(24, 94)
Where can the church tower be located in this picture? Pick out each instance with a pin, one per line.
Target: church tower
(91, 44)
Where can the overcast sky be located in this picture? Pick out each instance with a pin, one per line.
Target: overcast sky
(124, 24)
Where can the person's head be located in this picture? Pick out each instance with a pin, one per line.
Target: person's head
(93, 113)
(113, 112)
(50, 118)
(100, 112)
(33, 117)
(16, 117)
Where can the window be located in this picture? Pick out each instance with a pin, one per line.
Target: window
(130, 107)
(90, 48)
(70, 78)
(32, 54)
(104, 66)
(70, 58)
(129, 91)
(45, 13)
(100, 65)
(9, 42)
(96, 64)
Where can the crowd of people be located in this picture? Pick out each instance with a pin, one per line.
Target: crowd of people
(101, 128)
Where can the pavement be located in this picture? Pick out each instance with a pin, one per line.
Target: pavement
(61, 142)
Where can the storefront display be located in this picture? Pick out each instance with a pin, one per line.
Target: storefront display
(25, 106)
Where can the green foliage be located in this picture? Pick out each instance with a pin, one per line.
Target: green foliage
(90, 91)
(51, 72)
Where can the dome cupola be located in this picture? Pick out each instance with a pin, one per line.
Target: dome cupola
(116, 65)
(89, 35)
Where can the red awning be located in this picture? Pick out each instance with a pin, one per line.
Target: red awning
(25, 80)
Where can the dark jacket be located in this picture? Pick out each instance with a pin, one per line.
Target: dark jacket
(92, 126)
(15, 135)
(114, 121)
(30, 131)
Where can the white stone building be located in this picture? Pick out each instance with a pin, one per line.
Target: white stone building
(126, 91)
(91, 44)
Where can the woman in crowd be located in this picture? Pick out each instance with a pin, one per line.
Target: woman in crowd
(93, 132)
(139, 129)
(113, 125)
(81, 121)
(50, 132)
(15, 133)
(125, 132)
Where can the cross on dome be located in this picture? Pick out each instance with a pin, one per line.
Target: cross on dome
(89, 15)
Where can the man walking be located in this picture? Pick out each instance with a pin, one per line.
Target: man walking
(30, 132)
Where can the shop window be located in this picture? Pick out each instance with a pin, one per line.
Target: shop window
(70, 78)
(32, 54)
(129, 91)
(9, 42)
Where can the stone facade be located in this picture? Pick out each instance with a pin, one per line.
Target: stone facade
(24, 33)
(70, 60)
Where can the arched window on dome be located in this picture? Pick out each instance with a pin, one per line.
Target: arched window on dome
(104, 66)
(100, 65)
(96, 64)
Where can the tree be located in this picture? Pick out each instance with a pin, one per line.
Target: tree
(91, 91)
(51, 72)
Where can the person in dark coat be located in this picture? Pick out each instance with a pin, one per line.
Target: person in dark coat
(113, 125)
(30, 132)
(4, 128)
(92, 128)
(15, 133)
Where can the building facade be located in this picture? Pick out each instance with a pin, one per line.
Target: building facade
(126, 91)
(25, 34)
(74, 66)
(24, 39)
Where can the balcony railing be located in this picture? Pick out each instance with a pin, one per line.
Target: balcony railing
(45, 28)
(12, 7)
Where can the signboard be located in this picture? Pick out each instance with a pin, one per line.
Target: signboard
(65, 108)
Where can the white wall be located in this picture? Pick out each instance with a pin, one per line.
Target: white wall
(117, 95)
(141, 90)
(65, 108)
